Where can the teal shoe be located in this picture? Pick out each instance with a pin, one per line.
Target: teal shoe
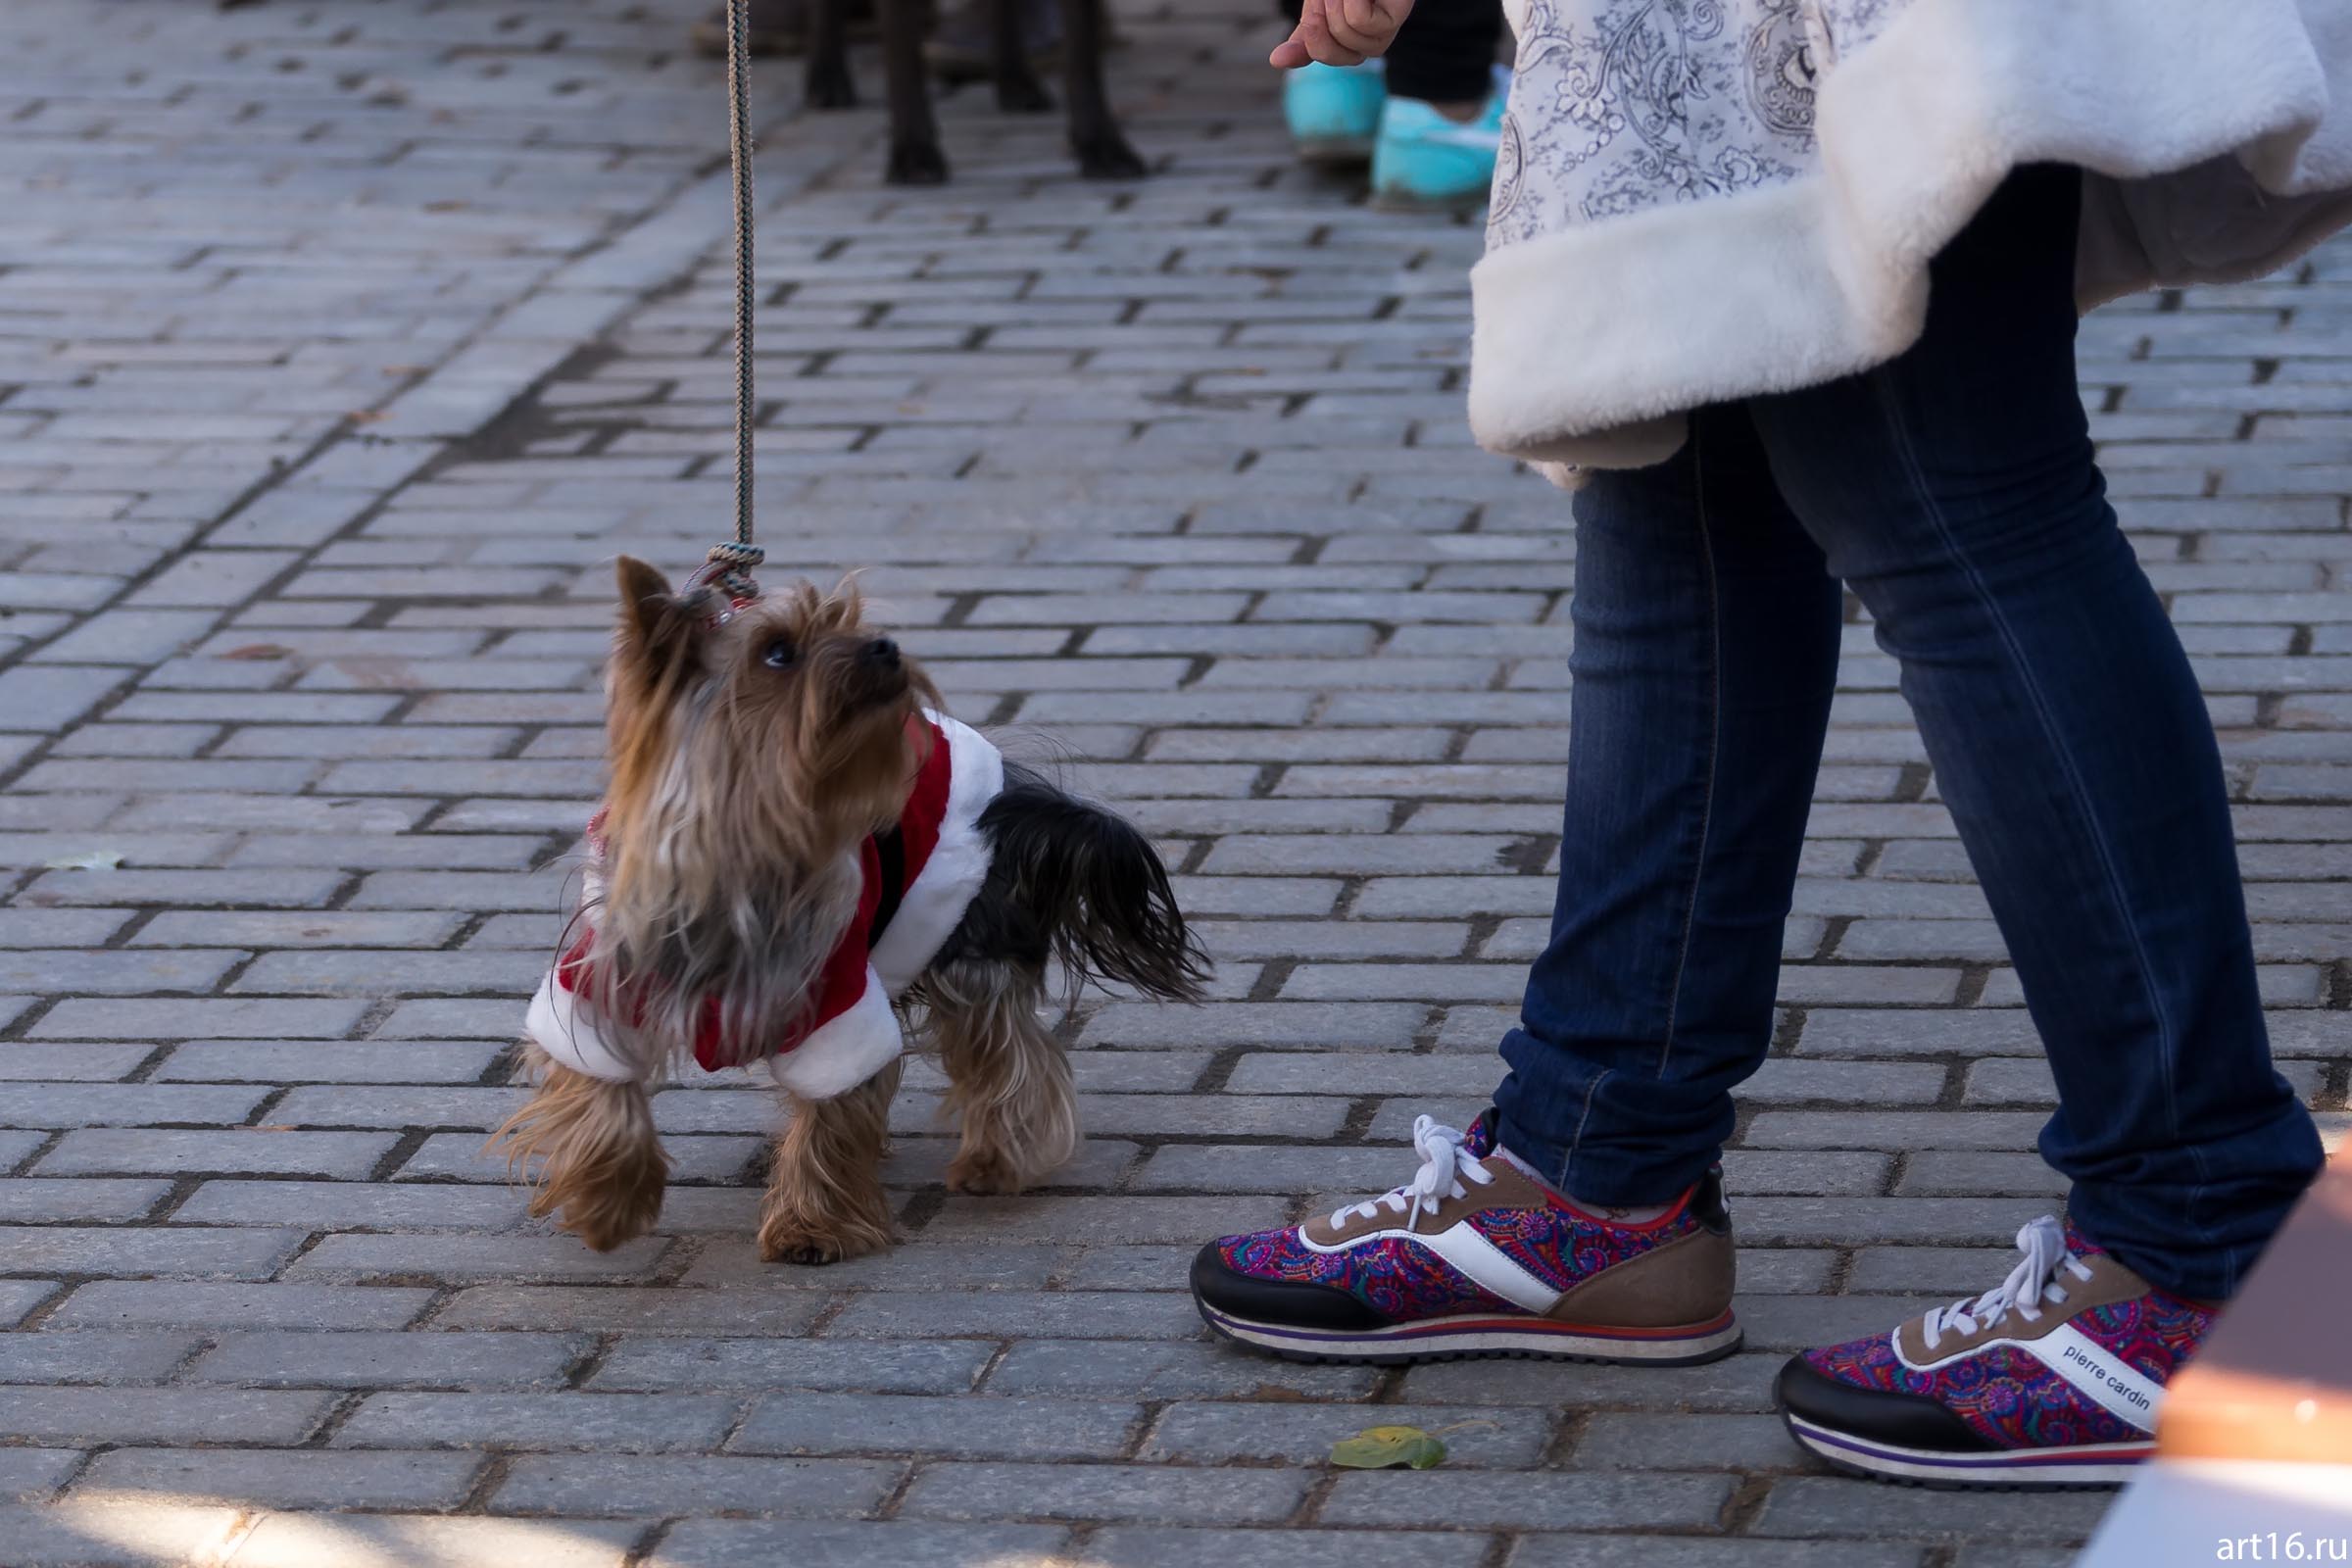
(1334, 110)
(1422, 159)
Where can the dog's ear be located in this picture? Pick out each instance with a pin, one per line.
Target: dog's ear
(659, 630)
(644, 594)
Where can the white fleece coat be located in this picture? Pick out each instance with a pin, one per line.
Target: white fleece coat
(1700, 200)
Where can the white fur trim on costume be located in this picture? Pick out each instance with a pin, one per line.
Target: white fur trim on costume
(934, 901)
(563, 1026)
(845, 1049)
(1591, 341)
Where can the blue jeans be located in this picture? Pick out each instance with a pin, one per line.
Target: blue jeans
(1954, 491)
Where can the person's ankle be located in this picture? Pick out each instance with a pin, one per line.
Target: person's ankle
(1613, 1213)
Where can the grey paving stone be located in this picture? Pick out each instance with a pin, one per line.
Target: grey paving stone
(109, 1535)
(432, 1540)
(264, 1150)
(948, 1366)
(918, 1264)
(1895, 1128)
(1620, 1441)
(462, 1157)
(1930, 1172)
(1835, 1506)
(28, 1474)
(69, 1199)
(1739, 1383)
(574, 1487)
(67, 1357)
(416, 1360)
(221, 1253)
(1466, 1500)
(1655, 1552)
(19, 1298)
(1154, 1546)
(819, 1543)
(624, 1309)
(1099, 1219)
(1792, 1323)
(139, 1303)
(617, 1423)
(276, 1477)
(197, 1018)
(1476, 1437)
(127, 1104)
(1166, 1370)
(1846, 1221)
(275, 1061)
(961, 1428)
(168, 1415)
(116, 971)
(1151, 1494)
(1006, 1314)
(369, 1205)
(358, 1259)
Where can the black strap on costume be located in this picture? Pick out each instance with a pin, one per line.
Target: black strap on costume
(890, 850)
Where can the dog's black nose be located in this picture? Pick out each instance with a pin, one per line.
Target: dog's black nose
(881, 652)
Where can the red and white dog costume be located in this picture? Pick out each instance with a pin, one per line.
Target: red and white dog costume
(919, 887)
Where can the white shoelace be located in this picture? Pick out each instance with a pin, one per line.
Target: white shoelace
(1443, 1168)
(2030, 1286)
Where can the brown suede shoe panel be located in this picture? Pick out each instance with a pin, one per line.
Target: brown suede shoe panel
(1511, 1187)
(2110, 1282)
(1687, 1280)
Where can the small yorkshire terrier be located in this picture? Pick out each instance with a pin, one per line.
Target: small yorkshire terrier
(796, 845)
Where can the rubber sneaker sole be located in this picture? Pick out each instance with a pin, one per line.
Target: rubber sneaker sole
(2079, 1467)
(1472, 1336)
(1332, 152)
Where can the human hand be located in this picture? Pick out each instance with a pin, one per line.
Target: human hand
(1341, 32)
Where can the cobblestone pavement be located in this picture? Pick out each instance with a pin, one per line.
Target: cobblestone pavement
(341, 344)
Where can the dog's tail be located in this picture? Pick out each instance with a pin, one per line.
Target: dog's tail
(1071, 877)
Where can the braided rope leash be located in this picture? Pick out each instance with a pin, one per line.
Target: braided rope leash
(735, 560)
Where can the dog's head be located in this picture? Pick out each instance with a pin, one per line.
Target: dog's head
(766, 739)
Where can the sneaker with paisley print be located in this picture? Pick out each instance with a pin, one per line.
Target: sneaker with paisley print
(1477, 1256)
(2052, 1378)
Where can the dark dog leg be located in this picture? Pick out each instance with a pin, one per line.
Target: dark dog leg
(1103, 152)
(915, 155)
(828, 83)
(1018, 90)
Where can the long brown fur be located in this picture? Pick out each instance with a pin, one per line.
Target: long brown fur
(824, 1197)
(587, 1150)
(751, 753)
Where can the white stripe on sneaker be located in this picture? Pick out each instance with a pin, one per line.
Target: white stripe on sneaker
(1471, 1255)
(2106, 1379)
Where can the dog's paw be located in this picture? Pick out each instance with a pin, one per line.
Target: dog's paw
(916, 163)
(829, 84)
(800, 1247)
(1105, 155)
(983, 1170)
(787, 1241)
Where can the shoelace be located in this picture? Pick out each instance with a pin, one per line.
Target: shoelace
(1444, 1167)
(2030, 1286)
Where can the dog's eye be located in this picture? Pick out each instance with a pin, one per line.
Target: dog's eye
(778, 654)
